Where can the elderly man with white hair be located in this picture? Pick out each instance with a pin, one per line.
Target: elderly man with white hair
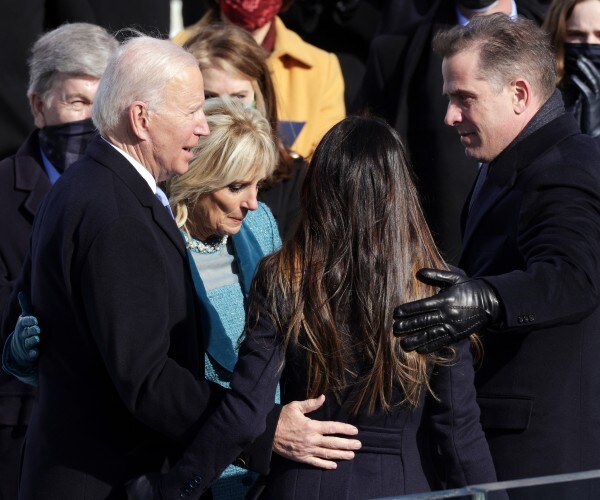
(64, 70)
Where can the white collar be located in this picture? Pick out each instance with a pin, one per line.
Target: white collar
(143, 171)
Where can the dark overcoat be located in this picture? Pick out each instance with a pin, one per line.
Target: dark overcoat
(23, 185)
(396, 456)
(121, 382)
(533, 233)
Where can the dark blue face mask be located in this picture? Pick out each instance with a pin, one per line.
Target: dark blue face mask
(573, 51)
(64, 144)
(476, 4)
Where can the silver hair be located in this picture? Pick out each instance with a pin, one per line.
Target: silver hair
(78, 49)
(138, 71)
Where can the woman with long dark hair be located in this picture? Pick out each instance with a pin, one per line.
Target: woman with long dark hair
(320, 320)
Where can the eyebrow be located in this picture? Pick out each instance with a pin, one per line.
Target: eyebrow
(79, 95)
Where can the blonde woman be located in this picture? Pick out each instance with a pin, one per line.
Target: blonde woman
(227, 231)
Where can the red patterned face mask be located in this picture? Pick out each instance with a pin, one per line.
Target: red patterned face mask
(250, 14)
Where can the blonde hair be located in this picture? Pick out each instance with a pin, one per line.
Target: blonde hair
(240, 146)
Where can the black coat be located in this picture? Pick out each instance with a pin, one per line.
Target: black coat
(121, 374)
(395, 457)
(533, 233)
(23, 185)
(403, 83)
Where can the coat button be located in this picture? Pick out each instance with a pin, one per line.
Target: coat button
(531, 317)
(520, 319)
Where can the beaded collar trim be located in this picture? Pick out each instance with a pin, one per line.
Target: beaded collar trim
(205, 247)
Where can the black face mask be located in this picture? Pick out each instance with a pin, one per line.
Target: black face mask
(64, 144)
(476, 4)
(573, 51)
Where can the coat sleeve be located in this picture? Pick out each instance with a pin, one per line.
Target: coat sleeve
(241, 416)
(453, 417)
(557, 239)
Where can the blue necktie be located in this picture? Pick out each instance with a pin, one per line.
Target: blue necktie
(483, 172)
(160, 194)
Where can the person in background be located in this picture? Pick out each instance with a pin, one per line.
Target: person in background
(344, 27)
(23, 22)
(64, 70)
(574, 28)
(403, 84)
(320, 318)
(308, 81)
(232, 63)
(531, 251)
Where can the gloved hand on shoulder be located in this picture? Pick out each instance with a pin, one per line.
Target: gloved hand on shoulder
(463, 306)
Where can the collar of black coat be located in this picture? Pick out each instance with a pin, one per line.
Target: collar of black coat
(30, 175)
(102, 152)
(29, 165)
(550, 110)
(525, 151)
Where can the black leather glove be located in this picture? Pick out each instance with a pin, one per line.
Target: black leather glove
(587, 81)
(462, 307)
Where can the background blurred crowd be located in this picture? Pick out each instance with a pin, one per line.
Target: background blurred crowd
(304, 66)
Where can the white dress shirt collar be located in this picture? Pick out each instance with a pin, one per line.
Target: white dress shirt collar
(146, 175)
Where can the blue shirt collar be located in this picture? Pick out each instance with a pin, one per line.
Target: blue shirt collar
(53, 174)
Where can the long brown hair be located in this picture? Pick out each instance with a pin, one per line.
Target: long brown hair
(332, 288)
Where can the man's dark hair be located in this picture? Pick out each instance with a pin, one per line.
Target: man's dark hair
(508, 49)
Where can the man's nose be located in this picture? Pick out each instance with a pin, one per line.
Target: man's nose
(201, 126)
(453, 115)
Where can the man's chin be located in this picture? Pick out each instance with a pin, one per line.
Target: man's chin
(475, 154)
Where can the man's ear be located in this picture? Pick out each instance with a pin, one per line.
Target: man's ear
(139, 120)
(521, 95)
(37, 110)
